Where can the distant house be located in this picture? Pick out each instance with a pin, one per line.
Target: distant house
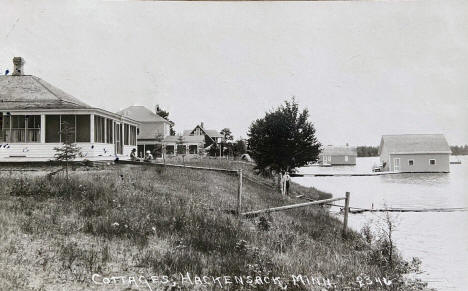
(415, 153)
(33, 112)
(210, 136)
(338, 155)
(153, 128)
(183, 144)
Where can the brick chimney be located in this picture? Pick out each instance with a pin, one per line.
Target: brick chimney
(201, 124)
(157, 109)
(18, 62)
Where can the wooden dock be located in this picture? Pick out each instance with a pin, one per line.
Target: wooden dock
(343, 174)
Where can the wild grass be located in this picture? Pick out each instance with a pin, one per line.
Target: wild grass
(132, 220)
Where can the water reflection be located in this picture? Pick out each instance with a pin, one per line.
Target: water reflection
(426, 179)
(440, 239)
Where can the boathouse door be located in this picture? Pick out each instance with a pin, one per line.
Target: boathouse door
(396, 164)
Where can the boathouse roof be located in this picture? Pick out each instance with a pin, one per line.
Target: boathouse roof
(415, 143)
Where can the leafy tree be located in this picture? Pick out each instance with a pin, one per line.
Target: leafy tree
(367, 151)
(181, 148)
(69, 150)
(214, 150)
(165, 114)
(227, 137)
(239, 148)
(459, 150)
(227, 134)
(284, 139)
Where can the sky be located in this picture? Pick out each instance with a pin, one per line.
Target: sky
(362, 68)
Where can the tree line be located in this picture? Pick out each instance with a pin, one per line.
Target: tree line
(459, 150)
(367, 151)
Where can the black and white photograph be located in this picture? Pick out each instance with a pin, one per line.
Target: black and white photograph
(234, 145)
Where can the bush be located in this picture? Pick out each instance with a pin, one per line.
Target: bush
(58, 187)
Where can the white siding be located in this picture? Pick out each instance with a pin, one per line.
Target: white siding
(45, 151)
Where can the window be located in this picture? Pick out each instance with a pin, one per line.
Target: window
(2, 130)
(432, 162)
(181, 149)
(79, 128)
(34, 121)
(193, 149)
(13, 128)
(118, 138)
(68, 121)
(410, 162)
(170, 149)
(20, 128)
(132, 138)
(346, 158)
(83, 128)
(52, 128)
(110, 132)
(99, 129)
(126, 134)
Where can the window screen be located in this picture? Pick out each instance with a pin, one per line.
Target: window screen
(109, 134)
(52, 128)
(99, 129)
(126, 134)
(83, 128)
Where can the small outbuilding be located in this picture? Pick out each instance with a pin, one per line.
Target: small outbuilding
(338, 155)
(415, 153)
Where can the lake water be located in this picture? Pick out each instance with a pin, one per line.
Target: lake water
(439, 239)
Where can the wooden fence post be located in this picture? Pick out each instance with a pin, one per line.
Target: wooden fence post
(239, 193)
(346, 211)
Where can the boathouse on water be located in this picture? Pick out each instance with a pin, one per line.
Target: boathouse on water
(33, 112)
(338, 155)
(414, 153)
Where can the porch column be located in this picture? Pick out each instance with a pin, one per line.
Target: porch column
(91, 128)
(43, 125)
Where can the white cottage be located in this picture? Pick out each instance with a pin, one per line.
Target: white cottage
(32, 113)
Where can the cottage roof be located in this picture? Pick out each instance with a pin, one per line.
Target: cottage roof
(142, 114)
(339, 151)
(213, 133)
(185, 138)
(30, 92)
(415, 143)
(210, 132)
(148, 132)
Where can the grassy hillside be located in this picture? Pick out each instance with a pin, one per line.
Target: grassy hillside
(134, 221)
